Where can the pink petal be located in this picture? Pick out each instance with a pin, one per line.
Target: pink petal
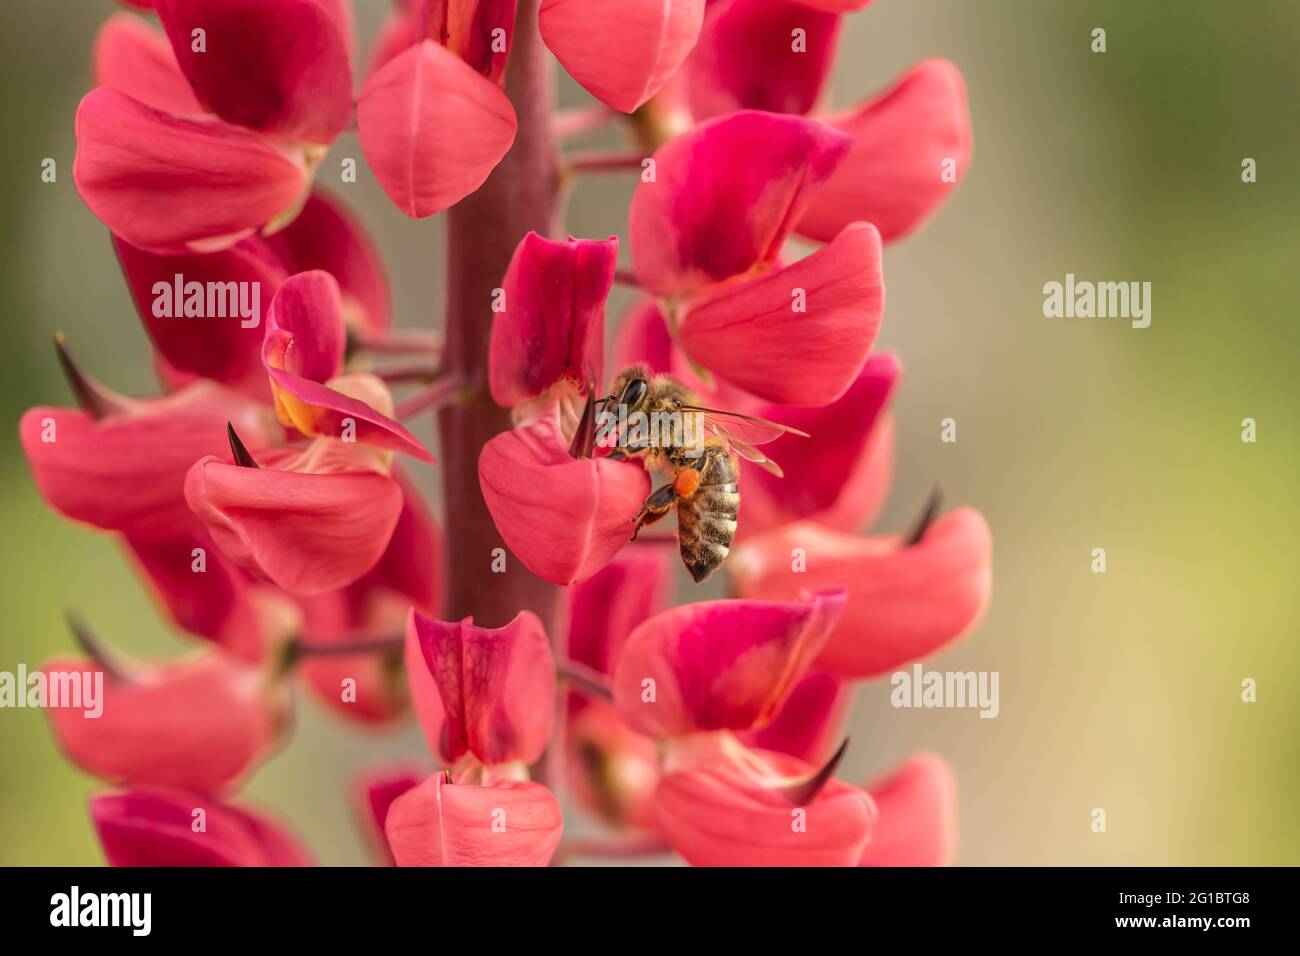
(839, 476)
(466, 27)
(423, 690)
(904, 603)
(918, 815)
(134, 58)
(222, 603)
(304, 345)
(306, 532)
(720, 665)
(622, 53)
(496, 685)
(750, 333)
(553, 323)
(727, 809)
(810, 723)
(198, 724)
(432, 128)
(374, 794)
(605, 608)
(325, 235)
(177, 185)
(746, 58)
(275, 66)
(564, 518)
(412, 565)
(305, 335)
(127, 472)
(145, 827)
(725, 197)
(224, 348)
(641, 336)
(446, 824)
(894, 175)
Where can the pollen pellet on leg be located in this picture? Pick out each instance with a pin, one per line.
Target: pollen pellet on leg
(685, 482)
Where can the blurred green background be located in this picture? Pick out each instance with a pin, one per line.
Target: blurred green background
(1119, 691)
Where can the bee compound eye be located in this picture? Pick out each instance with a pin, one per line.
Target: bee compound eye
(633, 392)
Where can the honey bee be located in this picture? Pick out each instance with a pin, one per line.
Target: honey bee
(699, 450)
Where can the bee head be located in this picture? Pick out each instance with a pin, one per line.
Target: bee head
(630, 387)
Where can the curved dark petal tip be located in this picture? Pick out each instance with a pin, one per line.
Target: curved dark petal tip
(927, 516)
(94, 399)
(805, 791)
(237, 449)
(94, 646)
(584, 438)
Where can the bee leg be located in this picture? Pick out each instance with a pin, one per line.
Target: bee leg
(660, 502)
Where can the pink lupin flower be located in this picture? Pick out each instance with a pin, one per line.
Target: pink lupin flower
(447, 823)
(228, 348)
(275, 86)
(432, 127)
(552, 322)
(120, 464)
(721, 804)
(196, 724)
(911, 146)
(622, 53)
(563, 517)
(918, 815)
(719, 665)
(310, 520)
(905, 600)
(151, 827)
(794, 335)
(495, 687)
(303, 355)
(808, 725)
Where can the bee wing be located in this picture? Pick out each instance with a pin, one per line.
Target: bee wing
(748, 429)
(750, 453)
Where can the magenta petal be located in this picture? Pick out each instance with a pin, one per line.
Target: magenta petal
(304, 332)
(325, 235)
(605, 608)
(496, 686)
(432, 128)
(840, 474)
(720, 665)
(905, 603)
(143, 827)
(275, 66)
(810, 723)
(725, 197)
(564, 518)
(374, 794)
(176, 185)
(224, 348)
(136, 59)
(746, 58)
(918, 815)
(752, 334)
(621, 52)
(127, 472)
(553, 323)
(894, 176)
(306, 532)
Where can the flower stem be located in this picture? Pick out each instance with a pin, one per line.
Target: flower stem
(482, 233)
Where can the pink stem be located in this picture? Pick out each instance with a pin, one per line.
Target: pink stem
(437, 395)
(584, 119)
(482, 233)
(604, 162)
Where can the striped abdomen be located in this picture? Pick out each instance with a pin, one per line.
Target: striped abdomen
(706, 520)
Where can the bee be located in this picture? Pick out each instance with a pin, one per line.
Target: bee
(700, 452)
